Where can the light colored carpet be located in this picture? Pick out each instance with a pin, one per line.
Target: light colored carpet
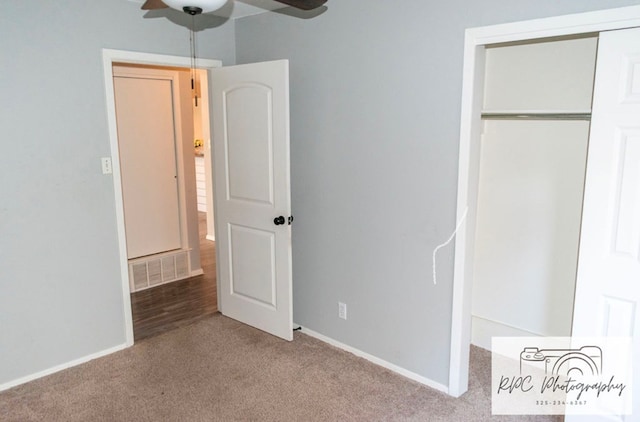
(220, 370)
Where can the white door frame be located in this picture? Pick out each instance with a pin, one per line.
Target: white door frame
(469, 153)
(109, 57)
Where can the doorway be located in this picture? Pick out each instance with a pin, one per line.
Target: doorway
(110, 57)
(163, 141)
(252, 107)
(477, 39)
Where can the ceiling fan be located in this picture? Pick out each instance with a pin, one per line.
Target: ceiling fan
(195, 7)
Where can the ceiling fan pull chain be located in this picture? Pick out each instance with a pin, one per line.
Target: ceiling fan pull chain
(195, 62)
(192, 47)
(192, 42)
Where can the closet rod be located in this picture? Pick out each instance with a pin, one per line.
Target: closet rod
(536, 116)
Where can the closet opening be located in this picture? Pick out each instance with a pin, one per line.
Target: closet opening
(616, 36)
(535, 122)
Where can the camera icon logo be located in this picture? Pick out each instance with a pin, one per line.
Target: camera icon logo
(583, 362)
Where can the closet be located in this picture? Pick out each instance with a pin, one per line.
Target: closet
(536, 116)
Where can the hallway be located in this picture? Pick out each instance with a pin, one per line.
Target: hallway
(179, 303)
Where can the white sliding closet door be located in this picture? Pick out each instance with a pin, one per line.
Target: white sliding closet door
(608, 288)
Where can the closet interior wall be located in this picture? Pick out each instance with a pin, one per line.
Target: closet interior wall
(537, 104)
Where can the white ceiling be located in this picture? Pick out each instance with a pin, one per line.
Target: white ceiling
(238, 8)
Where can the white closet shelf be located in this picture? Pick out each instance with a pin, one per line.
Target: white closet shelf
(536, 114)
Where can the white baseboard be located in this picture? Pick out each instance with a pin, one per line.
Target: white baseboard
(58, 368)
(199, 271)
(211, 237)
(380, 362)
(483, 329)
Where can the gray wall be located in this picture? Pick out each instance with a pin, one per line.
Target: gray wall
(375, 114)
(375, 105)
(60, 286)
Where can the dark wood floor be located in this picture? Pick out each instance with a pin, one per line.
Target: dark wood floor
(183, 302)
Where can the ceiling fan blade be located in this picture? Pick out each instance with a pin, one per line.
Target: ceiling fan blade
(303, 4)
(153, 5)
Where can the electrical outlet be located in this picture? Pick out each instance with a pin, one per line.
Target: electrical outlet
(342, 310)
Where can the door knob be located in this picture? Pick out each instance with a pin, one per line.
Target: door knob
(278, 221)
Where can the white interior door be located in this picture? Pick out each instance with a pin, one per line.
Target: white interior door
(607, 297)
(146, 139)
(252, 191)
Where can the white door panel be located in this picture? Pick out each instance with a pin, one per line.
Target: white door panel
(607, 298)
(253, 264)
(251, 177)
(251, 160)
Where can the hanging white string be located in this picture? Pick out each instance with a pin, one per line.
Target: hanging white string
(435, 251)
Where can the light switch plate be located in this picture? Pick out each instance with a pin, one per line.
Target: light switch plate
(106, 165)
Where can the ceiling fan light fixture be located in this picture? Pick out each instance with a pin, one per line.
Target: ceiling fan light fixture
(186, 5)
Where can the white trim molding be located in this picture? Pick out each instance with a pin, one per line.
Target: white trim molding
(469, 152)
(375, 360)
